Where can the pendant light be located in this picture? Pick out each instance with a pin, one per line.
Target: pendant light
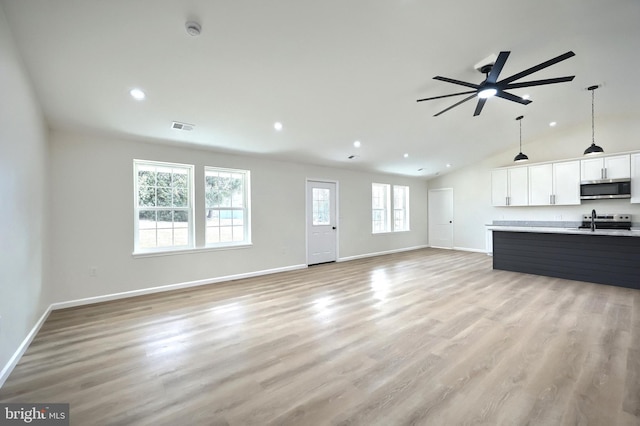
(520, 157)
(593, 148)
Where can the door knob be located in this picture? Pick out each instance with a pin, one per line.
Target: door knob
(333, 227)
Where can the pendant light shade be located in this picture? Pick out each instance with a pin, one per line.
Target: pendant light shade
(520, 157)
(593, 148)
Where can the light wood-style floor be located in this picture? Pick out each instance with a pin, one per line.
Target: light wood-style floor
(428, 337)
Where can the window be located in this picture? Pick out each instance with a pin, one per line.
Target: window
(382, 207)
(227, 206)
(321, 206)
(400, 208)
(163, 206)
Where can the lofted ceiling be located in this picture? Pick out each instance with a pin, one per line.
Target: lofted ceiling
(332, 72)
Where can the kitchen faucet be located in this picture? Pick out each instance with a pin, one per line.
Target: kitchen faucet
(593, 220)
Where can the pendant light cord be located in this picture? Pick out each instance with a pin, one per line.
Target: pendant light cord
(593, 127)
(519, 119)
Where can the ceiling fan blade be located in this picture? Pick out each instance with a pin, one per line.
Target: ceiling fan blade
(446, 96)
(497, 68)
(537, 67)
(456, 104)
(461, 83)
(513, 98)
(539, 82)
(479, 107)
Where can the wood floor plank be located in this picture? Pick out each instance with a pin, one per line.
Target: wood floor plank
(416, 338)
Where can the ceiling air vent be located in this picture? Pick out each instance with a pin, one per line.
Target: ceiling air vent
(182, 126)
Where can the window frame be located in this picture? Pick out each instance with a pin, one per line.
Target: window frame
(389, 210)
(386, 210)
(246, 209)
(189, 208)
(404, 208)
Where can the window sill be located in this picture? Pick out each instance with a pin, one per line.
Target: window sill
(173, 252)
(390, 232)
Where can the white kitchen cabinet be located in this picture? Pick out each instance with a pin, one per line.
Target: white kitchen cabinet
(635, 178)
(612, 167)
(566, 183)
(499, 187)
(554, 184)
(541, 185)
(509, 187)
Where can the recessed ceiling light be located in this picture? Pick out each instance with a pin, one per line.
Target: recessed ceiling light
(406, 155)
(552, 124)
(448, 165)
(357, 144)
(193, 28)
(137, 94)
(527, 96)
(277, 125)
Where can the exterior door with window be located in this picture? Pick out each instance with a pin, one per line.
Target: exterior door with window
(322, 222)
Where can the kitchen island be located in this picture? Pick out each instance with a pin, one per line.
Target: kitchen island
(601, 256)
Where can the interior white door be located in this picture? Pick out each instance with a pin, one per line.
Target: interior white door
(322, 222)
(441, 218)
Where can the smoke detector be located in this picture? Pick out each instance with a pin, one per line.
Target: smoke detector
(193, 28)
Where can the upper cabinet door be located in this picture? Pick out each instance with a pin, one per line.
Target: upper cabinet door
(518, 186)
(541, 185)
(499, 188)
(617, 167)
(592, 169)
(566, 183)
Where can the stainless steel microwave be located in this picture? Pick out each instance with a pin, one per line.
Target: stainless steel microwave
(602, 189)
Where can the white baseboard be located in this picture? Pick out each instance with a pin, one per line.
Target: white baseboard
(169, 287)
(380, 253)
(470, 249)
(13, 361)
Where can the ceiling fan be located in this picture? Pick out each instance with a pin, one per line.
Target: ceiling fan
(492, 87)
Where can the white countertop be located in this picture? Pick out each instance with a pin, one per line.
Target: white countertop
(556, 230)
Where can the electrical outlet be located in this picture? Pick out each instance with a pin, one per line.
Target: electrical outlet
(93, 271)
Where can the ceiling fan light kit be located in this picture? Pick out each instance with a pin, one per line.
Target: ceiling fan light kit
(593, 148)
(487, 93)
(492, 87)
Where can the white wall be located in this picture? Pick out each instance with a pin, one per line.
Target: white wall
(23, 191)
(92, 214)
(472, 185)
